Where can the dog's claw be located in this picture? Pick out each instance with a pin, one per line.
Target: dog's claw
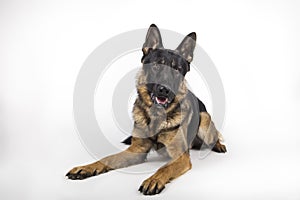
(79, 173)
(224, 148)
(219, 148)
(141, 188)
(151, 187)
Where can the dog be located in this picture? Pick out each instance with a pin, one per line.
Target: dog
(168, 117)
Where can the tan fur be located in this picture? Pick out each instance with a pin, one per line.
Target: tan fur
(133, 155)
(208, 133)
(165, 174)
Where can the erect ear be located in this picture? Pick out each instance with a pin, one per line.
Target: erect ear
(153, 39)
(187, 46)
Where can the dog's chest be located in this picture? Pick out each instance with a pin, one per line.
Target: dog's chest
(159, 147)
(162, 140)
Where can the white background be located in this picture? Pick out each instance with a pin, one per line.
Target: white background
(254, 44)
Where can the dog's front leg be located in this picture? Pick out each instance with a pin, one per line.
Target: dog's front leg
(135, 154)
(156, 183)
(177, 149)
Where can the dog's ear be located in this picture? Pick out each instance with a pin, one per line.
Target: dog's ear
(187, 46)
(153, 39)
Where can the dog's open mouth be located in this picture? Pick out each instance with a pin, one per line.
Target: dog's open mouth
(161, 100)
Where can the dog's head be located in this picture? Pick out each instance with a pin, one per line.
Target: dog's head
(165, 69)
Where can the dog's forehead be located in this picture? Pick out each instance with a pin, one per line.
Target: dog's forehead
(165, 56)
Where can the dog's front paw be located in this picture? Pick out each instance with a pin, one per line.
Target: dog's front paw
(151, 186)
(82, 172)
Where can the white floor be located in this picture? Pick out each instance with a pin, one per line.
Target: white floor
(254, 45)
(256, 167)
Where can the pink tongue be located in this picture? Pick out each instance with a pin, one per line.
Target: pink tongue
(161, 100)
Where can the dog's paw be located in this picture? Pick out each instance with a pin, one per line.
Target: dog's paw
(82, 172)
(219, 148)
(151, 186)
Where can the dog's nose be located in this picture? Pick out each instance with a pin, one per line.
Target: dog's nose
(162, 91)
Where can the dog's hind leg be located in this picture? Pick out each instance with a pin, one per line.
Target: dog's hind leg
(196, 143)
(127, 140)
(209, 134)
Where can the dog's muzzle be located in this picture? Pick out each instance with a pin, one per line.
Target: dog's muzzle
(161, 95)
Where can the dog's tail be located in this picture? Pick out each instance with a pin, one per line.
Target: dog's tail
(127, 140)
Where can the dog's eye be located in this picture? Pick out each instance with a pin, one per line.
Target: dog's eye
(179, 68)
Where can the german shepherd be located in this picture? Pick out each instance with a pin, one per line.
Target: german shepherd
(167, 117)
